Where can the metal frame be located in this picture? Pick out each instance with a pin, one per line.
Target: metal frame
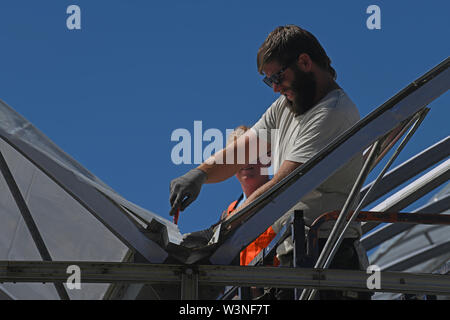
(29, 221)
(189, 284)
(390, 230)
(412, 192)
(411, 218)
(408, 169)
(418, 257)
(417, 121)
(367, 191)
(303, 259)
(4, 295)
(101, 272)
(337, 234)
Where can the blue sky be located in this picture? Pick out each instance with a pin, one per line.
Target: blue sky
(112, 93)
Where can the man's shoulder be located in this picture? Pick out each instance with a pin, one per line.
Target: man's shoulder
(336, 102)
(278, 111)
(337, 98)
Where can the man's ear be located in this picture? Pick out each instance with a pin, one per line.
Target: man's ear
(304, 62)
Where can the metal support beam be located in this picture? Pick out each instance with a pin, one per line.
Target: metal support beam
(29, 221)
(189, 284)
(390, 230)
(417, 121)
(364, 172)
(298, 238)
(412, 192)
(408, 169)
(333, 237)
(418, 257)
(333, 241)
(101, 272)
(5, 295)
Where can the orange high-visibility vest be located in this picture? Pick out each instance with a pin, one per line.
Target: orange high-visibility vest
(254, 248)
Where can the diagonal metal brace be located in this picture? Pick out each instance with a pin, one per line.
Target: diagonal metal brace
(29, 221)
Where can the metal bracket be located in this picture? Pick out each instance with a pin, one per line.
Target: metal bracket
(189, 284)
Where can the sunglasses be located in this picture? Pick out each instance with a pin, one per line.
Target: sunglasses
(276, 78)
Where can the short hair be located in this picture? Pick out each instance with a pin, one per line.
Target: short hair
(286, 43)
(239, 131)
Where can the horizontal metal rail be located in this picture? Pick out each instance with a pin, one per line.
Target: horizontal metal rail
(397, 222)
(379, 217)
(417, 257)
(392, 217)
(390, 230)
(412, 192)
(111, 272)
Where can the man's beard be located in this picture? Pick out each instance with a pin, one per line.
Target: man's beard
(304, 88)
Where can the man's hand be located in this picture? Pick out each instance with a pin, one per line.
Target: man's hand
(185, 189)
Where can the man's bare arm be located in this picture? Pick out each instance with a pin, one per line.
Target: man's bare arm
(225, 163)
(221, 166)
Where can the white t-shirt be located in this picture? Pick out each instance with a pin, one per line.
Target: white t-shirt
(299, 138)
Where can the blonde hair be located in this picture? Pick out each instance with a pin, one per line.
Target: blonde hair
(239, 131)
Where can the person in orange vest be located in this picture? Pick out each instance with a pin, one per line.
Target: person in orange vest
(250, 178)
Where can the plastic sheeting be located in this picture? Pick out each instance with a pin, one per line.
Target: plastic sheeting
(68, 230)
(79, 217)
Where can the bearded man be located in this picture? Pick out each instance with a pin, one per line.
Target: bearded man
(311, 111)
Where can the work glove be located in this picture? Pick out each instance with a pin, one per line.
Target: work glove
(198, 238)
(185, 189)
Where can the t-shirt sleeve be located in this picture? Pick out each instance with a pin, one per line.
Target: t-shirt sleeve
(268, 121)
(321, 129)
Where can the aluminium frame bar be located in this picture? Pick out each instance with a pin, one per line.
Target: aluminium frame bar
(418, 120)
(4, 295)
(417, 257)
(426, 158)
(210, 275)
(390, 230)
(349, 203)
(412, 192)
(408, 169)
(29, 221)
(370, 240)
(331, 242)
(189, 284)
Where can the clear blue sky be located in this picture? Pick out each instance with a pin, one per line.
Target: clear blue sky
(112, 93)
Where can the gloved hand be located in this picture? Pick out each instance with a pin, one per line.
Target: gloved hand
(197, 238)
(185, 189)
